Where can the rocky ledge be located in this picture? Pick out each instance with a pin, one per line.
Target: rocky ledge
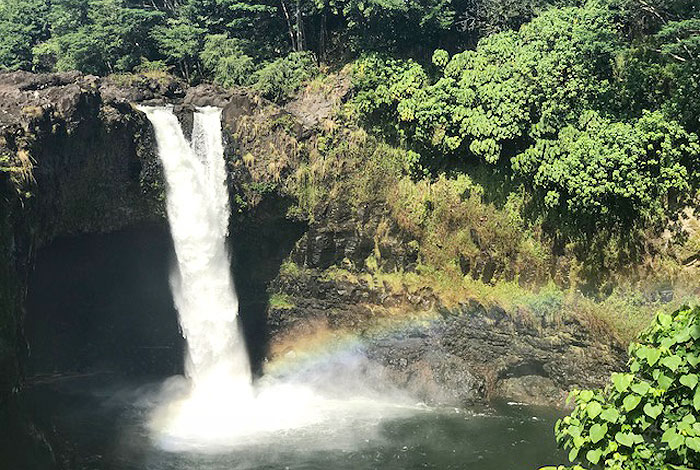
(467, 353)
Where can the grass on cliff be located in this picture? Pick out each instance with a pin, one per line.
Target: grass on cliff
(472, 238)
(624, 313)
(281, 301)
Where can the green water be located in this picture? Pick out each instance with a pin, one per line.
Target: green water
(104, 427)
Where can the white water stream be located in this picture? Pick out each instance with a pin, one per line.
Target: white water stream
(219, 406)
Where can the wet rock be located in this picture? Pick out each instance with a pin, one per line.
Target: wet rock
(453, 355)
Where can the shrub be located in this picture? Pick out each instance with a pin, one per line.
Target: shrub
(603, 174)
(151, 67)
(649, 417)
(279, 79)
(225, 59)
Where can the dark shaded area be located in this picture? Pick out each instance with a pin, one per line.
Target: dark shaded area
(23, 444)
(260, 240)
(103, 303)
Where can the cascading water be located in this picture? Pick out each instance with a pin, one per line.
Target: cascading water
(220, 406)
(198, 212)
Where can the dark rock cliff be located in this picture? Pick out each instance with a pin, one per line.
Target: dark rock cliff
(76, 157)
(73, 159)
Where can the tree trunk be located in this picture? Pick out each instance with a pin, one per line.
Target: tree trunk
(300, 28)
(322, 35)
(290, 29)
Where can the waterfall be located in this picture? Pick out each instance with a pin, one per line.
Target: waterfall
(198, 212)
(219, 406)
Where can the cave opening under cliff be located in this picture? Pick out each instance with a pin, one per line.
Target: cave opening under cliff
(101, 303)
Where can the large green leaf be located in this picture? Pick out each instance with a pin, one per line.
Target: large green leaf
(653, 410)
(689, 380)
(630, 402)
(610, 415)
(627, 439)
(672, 438)
(593, 409)
(598, 432)
(622, 381)
(672, 362)
(594, 456)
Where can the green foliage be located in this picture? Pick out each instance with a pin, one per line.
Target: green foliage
(649, 417)
(601, 174)
(224, 59)
(151, 67)
(392, 24)
(23, 24)
(280, 301)
(514, 88)
(279, 79)
(494, 16)
(383, 84)
(600, 130)
(95, 36)
(179, 43)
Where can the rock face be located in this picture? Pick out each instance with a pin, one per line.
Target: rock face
(450, 356)
(76, 157)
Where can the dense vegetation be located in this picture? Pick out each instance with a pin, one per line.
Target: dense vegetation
(597, 118)
(105, 36)
(592, 108)
(646, 418)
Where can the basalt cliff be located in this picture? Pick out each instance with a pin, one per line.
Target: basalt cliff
(77, 157)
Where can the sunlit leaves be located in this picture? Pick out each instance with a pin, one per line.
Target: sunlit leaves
(541, 101)
(649, 418)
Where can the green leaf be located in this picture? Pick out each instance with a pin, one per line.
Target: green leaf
(598, 432)
(682, 336)
(689, 419)
(641, 388)
(594, 455)
(693, 359)
(653, 410)
(695, 331)
(696, 399)
(585, 395)
(631, 401)
(693, 443)
(573, 453)
(593, 409)
(610, 415)
(672, 362)
(625, 438)
(622, 381)
(689, 380)
(664, 320)
(664, 381)
(653, 355)
(672, 438)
